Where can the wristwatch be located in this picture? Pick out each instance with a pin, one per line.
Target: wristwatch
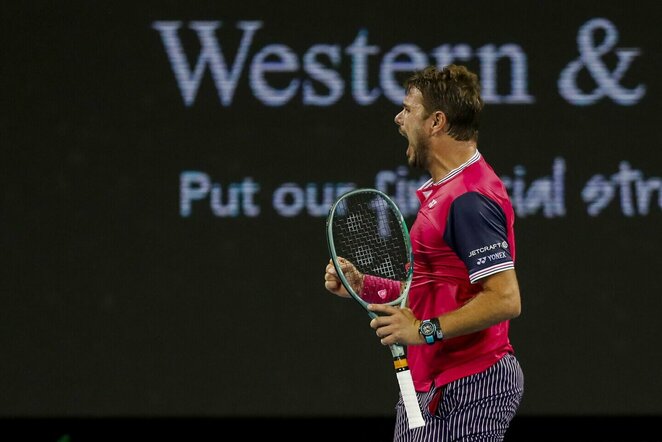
(431, 331)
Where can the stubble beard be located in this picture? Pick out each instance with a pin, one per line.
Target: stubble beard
(419, 154)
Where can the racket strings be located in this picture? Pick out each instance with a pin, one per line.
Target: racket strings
(367, 232)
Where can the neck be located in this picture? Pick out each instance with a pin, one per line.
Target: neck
(450, 155)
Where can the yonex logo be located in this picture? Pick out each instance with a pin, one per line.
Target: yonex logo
(503, 245)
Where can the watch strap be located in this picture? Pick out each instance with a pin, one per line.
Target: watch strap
(436, 334)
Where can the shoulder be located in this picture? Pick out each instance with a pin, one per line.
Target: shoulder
(475, 202)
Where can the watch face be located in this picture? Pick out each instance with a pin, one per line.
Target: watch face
(427, 329)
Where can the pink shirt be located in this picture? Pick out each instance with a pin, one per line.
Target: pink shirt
(462, 233)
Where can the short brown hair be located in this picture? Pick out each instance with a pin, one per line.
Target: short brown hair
(455, 91)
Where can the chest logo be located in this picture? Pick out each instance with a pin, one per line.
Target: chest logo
(432, 203)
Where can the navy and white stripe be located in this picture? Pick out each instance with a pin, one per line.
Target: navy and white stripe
(477, 407)
(474, 277)
(475, 157)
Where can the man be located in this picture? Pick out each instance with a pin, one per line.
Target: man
(464, 289)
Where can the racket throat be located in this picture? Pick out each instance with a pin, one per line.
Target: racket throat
(400, 363)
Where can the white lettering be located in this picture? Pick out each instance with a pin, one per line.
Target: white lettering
(636, 193)
(210, 55)
(329, 78)
(282, 59)
(416, 60)
(192, 186)
(607, 82)
(489, 57)
(400, 188)
(547, 193)
(359, 52)
(239, 198)
(447, 54)
(290, 199)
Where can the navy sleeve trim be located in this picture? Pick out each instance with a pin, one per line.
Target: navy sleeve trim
(476, 230)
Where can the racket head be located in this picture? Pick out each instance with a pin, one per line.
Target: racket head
(367, 235)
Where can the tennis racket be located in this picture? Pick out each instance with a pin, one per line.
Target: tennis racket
(371, 251)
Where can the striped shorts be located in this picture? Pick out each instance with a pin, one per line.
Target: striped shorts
(475, 408)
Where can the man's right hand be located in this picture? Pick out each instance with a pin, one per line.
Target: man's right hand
(332, 282)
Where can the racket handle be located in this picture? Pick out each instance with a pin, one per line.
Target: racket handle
(409, 398)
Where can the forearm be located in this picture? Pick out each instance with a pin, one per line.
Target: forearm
(497, 302)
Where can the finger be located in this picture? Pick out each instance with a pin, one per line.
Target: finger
(388, 339)
(383, 332)
(332, 285)
(379, 321)
(382, 308)
(329, 277)
(375, 323)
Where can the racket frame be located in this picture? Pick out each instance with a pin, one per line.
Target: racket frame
(400, 300)
(397, 351)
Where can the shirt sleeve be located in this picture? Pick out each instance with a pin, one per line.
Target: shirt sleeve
(476, 230)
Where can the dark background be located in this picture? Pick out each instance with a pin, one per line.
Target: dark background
(115, 306)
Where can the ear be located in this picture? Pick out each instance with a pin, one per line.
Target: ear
(439, 122)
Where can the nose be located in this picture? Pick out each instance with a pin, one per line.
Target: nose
(398, 119)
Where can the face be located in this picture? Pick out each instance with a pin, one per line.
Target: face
(411, 123)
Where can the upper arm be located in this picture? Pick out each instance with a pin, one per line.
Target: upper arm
(477, 230)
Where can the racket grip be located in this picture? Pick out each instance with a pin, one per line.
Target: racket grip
(409, 398)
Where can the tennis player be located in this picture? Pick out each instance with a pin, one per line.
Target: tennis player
(464, 290)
